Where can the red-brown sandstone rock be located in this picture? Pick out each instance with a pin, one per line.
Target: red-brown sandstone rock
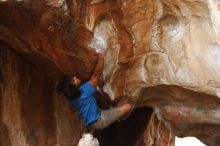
(163, 54)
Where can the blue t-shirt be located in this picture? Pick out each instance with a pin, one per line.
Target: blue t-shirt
(85, 104)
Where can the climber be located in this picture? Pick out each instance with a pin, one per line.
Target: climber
(81, 97)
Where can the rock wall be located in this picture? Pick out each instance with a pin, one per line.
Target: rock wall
(158, 53)
(157, 134)
(149, 43)
(154, 45)
(185, 112)
(48, 35)
(31, 113)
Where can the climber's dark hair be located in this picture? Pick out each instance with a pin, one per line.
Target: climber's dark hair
(69, 90)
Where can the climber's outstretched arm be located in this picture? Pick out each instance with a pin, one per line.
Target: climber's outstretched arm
(98, 71)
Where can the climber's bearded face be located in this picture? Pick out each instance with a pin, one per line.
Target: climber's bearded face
(75, 81)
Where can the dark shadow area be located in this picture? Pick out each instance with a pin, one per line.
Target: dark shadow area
(127, 132)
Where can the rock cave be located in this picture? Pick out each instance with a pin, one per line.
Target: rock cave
(164, 55)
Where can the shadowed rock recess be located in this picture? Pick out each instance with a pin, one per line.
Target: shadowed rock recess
(161, 54)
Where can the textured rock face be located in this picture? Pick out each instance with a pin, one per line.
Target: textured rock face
(157, 134)
(159, 53)
(166, 42)
(172, 43)
(31, 112)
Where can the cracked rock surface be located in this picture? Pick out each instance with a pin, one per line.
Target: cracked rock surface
(162, 54)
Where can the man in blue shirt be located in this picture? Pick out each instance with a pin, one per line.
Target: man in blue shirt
(81, 97)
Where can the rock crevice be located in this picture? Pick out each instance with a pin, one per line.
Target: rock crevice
(158, 53)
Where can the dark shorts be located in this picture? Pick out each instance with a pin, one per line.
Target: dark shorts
(107, 117)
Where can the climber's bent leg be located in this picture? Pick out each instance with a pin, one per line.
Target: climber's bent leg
(108, 117)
